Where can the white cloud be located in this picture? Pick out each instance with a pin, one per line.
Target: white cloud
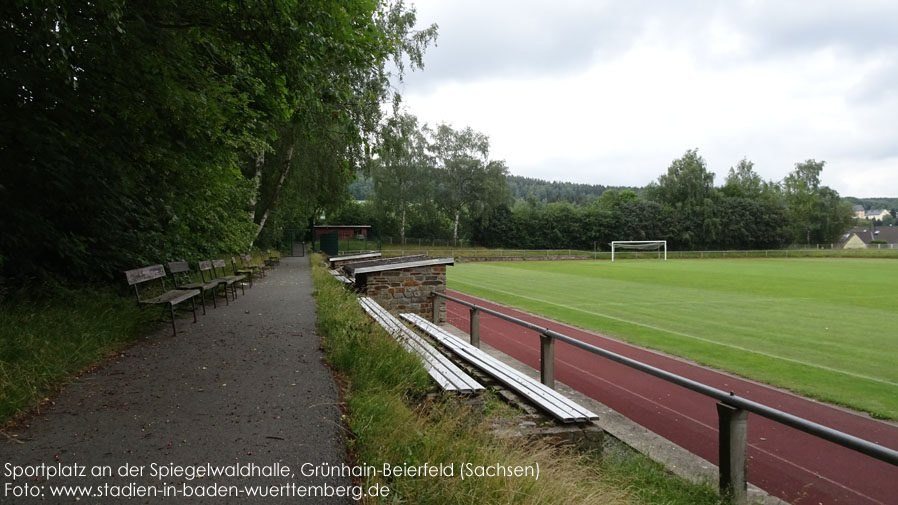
(609, 94)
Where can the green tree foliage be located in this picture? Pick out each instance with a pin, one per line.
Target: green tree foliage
(139, 132)
(816, 213)
(403, 172)
(362, 188)
(742, 181)
(683, 207)
(687, 192)
(470, 185)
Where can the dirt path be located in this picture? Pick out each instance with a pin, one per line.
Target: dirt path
(243, 390)
(786, 463)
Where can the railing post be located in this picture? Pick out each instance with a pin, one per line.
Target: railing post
(438, 303)
(475, 328)
(733, 460)
(547, 360)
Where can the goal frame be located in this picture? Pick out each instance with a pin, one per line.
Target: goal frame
(662, 244)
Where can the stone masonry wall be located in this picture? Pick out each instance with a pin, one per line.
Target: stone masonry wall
(407, 289)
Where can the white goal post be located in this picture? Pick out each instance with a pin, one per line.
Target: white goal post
(640, 245)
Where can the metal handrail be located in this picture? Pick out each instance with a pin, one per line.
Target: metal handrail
(844, 439)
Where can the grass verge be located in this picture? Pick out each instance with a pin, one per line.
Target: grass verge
(393, 419)
(44, 343)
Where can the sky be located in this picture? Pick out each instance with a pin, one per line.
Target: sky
(611, 92)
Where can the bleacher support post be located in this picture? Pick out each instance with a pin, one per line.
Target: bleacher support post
(733, 459)
(547, 360)
(475, 328)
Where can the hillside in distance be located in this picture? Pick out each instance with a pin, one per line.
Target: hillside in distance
(520, 188)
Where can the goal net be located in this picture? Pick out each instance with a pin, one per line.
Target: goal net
(640, 245)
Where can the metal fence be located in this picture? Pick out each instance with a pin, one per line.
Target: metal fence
(732, 410)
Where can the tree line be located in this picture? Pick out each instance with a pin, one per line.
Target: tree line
(683, 206)
(136, 132)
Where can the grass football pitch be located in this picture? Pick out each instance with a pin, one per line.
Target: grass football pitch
(825, 328)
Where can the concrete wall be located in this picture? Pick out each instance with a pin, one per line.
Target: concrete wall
(407, 289)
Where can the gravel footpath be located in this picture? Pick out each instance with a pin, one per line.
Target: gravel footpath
(243, 391)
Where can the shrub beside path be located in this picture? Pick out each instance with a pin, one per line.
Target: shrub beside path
(242, 390)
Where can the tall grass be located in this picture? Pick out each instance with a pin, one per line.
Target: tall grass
(393, 418)
(45, 342)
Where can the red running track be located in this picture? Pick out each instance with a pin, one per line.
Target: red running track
(785, 462)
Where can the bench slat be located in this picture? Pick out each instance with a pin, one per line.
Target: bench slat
(340, 277)
(446, 373)
(545, 397)
(173, 297)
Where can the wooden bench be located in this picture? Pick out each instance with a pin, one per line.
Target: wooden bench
(446, 373)
(544, 397)
(249, 262)
(274, 257)
(171, 298)
(245, 272)
(180, 276)
(231, 281)
(340, 277)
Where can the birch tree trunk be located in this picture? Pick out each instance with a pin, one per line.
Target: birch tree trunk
(274, 197)
(455, 228)
(257, 183)
(402, 228)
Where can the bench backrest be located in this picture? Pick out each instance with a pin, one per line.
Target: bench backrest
(205, 266)
(180, 273)
(139, 275)
(177, 267)
(234, 265)
(145, 274)
(216, 264)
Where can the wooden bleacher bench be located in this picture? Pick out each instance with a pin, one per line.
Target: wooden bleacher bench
(340, 277)
(544, 397)
(173, 297)
(446, 373)
(353, 257)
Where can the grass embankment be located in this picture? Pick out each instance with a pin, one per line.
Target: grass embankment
(394, 420)
(46, 342)
(822, 327)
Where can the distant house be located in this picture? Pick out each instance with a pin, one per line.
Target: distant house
(859, 211)
(877, 214)
(344, 231)
(860, 238)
